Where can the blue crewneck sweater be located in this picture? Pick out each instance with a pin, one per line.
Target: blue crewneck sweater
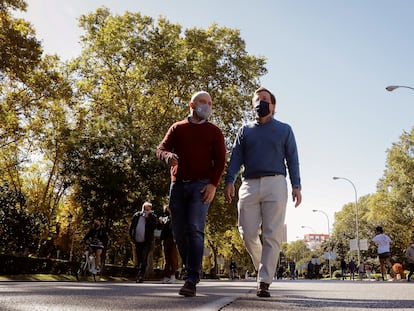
(264, 150)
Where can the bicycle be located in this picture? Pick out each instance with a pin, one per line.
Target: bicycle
(87, 267)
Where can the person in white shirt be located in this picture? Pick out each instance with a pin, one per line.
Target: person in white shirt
(383, 242)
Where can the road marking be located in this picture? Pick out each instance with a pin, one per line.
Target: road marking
(217, 304)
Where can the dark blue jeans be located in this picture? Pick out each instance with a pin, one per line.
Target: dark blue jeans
(188, 215)
(411, 267)
(142, 250)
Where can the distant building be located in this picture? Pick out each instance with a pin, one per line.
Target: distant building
(314, 239)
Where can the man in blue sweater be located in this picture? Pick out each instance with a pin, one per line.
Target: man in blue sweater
(266, 148)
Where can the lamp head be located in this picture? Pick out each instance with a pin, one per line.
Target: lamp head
(391, 88)
(335, 178)
(315, 210)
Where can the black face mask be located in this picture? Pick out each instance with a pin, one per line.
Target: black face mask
(262, 108)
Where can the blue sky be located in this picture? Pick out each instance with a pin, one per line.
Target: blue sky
(329, 62)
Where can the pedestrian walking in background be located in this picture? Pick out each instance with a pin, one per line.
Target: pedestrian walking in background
(361, 271)
(410, 259)
(351, 266)
(343, 268)
(368, 270)
(141, 232)
(233, 269)
(169, 246)
(311, 270)
(292, 269)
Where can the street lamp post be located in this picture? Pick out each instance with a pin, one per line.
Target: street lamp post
(70, 218)
(391, 88)
(356, 215)
(329, 241)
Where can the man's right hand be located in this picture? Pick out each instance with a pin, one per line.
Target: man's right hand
(229, 192)
(172, 159)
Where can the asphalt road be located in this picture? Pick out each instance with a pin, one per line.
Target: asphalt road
(211, 295)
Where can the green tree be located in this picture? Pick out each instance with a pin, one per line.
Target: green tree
(34, 108)
(133, 79)
(391, 207)
(33, 148)
(298, 251)
(19, 229)
(396, 187)
(345, 228)
(20, 51)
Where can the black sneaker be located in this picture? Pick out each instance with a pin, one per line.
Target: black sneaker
(140, 278)
(263, 290)
(188, 290)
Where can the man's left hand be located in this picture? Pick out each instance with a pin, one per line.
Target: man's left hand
(296, 196)
(209, 193)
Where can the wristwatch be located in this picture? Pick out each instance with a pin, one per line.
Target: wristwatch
(297, 187)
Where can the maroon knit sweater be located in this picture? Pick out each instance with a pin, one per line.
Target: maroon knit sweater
(200, 148)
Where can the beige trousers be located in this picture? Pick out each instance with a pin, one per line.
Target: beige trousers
(262, 209)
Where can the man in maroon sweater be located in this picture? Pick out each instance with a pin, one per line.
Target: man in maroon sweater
(195, 151)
